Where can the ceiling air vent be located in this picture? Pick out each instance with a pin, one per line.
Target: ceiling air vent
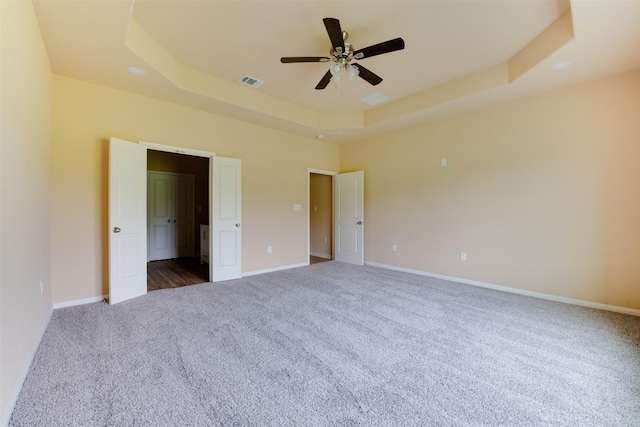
(250, 81)
(374, 99)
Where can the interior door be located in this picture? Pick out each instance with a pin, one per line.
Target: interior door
(227, 219)
(127, 220)
(170, 215)
(182, 215)
(349, 217)
(160, 216)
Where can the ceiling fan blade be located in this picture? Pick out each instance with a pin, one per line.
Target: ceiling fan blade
(369, 76)
(325, 81)
(294, 59)
(379, 49)
(335, 32)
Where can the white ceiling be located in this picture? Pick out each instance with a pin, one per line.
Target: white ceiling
(218, 42)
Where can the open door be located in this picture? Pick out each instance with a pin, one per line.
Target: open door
(227, 216)
(348, 191)
(127, 220)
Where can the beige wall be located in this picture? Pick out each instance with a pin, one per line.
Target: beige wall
(321, 215)
(25, 90)
(543, 194)
(274, 178)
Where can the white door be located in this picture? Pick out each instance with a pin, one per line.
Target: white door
(349, 217)
(226, 233)
(127, 220)
(170, 215)
(160, 229)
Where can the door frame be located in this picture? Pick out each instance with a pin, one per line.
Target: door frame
(333, 216)
(197, 153)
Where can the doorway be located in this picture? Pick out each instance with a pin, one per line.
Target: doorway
(183, 267)
(128, 216)
(320, 216)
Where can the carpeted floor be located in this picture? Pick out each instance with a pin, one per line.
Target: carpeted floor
(334, 345)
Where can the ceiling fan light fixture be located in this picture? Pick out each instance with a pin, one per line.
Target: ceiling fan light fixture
(336, 69)
(352, 71)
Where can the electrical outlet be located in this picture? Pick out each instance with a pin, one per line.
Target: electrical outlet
(269, 249)
(394, 248)
(326, 240)
(463, 256)
(41, 287)
(443, 161)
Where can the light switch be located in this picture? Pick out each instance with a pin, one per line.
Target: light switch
(296, 207)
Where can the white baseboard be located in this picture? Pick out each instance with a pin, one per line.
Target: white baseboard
(23, 374)
(583, 303)
(78, 302)
(271, 270)
(320, 255)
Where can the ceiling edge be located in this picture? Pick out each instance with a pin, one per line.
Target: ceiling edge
(223, 92)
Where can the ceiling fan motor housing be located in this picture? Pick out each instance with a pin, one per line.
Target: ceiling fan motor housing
(343, 57)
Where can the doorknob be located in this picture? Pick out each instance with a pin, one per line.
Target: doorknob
(174, 221)
(116, 229)
(359, 222)
(238, 225)
(168, 220)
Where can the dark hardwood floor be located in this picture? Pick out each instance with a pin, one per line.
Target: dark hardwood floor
(177, 272)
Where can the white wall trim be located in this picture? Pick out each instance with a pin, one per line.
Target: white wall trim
(319, 255)
(23, 375)
(583, 303)
(175, 149)
(78, 302)
(271, 270)
(321, 172)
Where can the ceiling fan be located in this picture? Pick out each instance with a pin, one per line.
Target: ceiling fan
(342, 53)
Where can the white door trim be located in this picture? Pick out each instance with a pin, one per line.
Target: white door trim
(174, 149)
(319, 172)
(197, 153)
